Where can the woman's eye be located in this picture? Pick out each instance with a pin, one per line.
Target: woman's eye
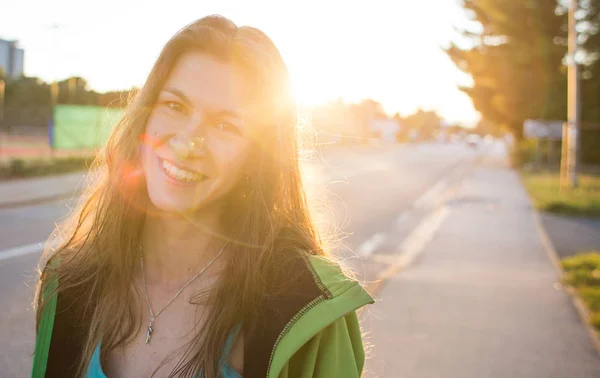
(226, 126)
(175, 106)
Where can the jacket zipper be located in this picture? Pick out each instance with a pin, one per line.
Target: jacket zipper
(325, 294)
(324, 289)
(289, 325)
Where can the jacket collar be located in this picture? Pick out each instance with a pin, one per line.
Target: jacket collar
(322, 294)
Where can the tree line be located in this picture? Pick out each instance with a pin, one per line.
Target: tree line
(351, 122)
(28, 101)
(515, 52)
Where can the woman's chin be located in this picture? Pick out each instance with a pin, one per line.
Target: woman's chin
(173, 205)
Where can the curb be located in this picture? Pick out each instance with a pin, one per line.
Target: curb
(582, 310)
(39, 200)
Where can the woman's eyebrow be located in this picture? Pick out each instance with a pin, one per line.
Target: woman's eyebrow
(230, 113)
(226, 113)
(177, 93)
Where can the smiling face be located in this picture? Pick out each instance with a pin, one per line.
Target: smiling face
(197, 138)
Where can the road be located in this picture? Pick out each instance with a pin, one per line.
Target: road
(380, 201)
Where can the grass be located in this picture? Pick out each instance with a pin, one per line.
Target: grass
(545, 190)
(582, 272)
(20, 168)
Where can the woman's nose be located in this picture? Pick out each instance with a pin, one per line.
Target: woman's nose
(185, 148)
(189, 142)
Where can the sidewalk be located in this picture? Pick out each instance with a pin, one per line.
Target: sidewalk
(31, 191)
(482, 300)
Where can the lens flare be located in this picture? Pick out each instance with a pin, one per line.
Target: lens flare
(150, 140)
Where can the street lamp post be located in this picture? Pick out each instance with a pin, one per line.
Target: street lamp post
(573, 125)
(2, 136)
(2, 86)
(54, 84)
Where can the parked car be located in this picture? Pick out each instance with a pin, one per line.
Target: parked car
(473, 140)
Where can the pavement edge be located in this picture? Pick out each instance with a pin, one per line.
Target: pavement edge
(582, 310)
(39, 200)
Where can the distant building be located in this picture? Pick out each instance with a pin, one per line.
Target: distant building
(12, 58)
(386, 129)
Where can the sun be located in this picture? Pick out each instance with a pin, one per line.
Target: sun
(308, 90)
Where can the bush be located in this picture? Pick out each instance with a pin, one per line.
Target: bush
(590, 147)
(583, 273)
(595, 320)
(583, 277)
(522, 152)
(18, 168)
(591, 296)
(585, 261)
(547, 195)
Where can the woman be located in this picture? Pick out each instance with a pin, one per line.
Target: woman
(193, 253)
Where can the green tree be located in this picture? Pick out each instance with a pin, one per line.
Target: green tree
(515, 60)
(589, 27)
(74, 91)
(27, 102)
(27, 92)
(423, 121)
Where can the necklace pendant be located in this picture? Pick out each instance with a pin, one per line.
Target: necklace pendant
(149, 333)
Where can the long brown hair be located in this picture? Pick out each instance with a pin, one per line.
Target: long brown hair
(266, 225)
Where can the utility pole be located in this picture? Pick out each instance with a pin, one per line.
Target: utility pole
(54, 83)
(574, 115)
(2, 89)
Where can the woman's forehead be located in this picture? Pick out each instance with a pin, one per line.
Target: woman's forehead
(207, 82)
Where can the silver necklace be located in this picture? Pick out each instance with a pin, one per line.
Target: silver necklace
(153, 315)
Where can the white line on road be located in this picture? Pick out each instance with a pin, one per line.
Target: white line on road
(430, 195)
(22, 251)
(416, 242)
(402, 218)
(370, 245)
(422, 235)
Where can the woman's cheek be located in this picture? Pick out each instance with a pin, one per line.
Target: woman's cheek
(158, 131)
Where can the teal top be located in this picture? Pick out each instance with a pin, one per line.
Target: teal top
(95, 367)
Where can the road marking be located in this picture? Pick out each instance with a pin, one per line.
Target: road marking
(430, 195)
(370, 245)
(402, 218)
(416, 242)
(22, 251)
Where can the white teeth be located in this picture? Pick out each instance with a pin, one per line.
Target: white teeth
(178, 173)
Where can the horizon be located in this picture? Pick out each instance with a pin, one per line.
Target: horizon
(327, 61)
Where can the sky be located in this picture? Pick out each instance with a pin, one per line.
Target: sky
(387, 50)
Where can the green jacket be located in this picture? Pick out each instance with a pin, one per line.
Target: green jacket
(312, 331)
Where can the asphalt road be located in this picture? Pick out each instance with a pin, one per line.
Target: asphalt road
(374, 198)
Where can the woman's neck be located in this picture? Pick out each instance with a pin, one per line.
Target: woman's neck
(175, 247)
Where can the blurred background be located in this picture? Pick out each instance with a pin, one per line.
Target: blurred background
(456, 142)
